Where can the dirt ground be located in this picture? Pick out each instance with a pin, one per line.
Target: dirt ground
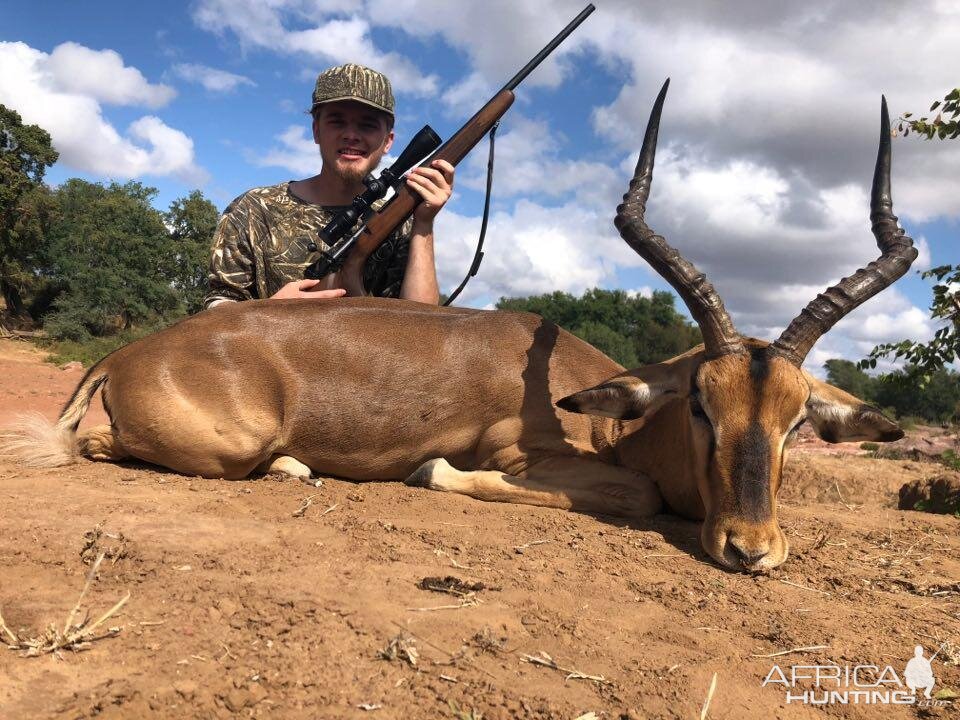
(241, 606)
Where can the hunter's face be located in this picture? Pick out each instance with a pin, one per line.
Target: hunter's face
(353, 137)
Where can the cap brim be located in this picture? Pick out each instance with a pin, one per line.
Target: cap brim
(354, 98)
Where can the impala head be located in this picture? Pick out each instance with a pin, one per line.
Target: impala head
(742, 400)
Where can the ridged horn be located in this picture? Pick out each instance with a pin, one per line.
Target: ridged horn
(896, 255)
(706, 307)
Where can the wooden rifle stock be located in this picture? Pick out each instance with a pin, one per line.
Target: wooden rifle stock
(402, 205)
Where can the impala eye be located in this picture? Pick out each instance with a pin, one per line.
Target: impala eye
(696, 409)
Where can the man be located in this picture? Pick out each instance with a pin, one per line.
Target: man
(268, 236)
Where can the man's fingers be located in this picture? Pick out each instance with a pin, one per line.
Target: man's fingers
(434, 184)
(324, 294)
(446, 168)
(429, 175)
(420, 186)
(432, 192)
(305, 289)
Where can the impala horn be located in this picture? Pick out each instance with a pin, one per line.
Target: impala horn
(706, 307)
(896, 255)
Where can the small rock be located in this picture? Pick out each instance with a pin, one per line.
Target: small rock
(185, 688)
(257, 693)
(73, 365)
(237, 700)
(227, 606)
(939, 494)
(355, 496)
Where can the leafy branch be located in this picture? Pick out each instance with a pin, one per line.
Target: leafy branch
(946, 124)
(944, 348)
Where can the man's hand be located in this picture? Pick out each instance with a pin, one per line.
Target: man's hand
(301, 289)
(434, 184)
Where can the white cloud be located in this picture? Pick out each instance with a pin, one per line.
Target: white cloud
(101, 75)
(461, 97)
(210, 78)
(273, 26)
(170, 153)
(498, 37)
(529, 162)
(296, 152)
(796, 87)
(86, 141)
(531, 250)
(923, 261)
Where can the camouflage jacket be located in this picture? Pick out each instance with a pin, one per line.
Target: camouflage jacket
(261, 244)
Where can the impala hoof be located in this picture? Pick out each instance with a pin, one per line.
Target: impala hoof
(423, 475)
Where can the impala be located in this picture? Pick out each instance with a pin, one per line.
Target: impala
(498, 406)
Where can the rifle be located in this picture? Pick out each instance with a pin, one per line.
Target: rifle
(378, 228)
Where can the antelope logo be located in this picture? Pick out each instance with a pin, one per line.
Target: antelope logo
(492, 404)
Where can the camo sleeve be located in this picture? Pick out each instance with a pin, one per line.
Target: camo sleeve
(231, 273)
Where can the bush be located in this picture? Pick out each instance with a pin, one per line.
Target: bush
(89, 350)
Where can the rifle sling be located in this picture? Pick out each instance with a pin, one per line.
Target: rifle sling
(478, 255)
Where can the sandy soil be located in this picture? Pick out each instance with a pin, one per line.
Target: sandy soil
(240, 608)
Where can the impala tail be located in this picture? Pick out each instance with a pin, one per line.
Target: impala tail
(34, 441)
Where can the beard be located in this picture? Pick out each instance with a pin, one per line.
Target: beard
(355, 172)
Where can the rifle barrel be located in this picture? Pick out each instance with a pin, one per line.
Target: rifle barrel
(551, 46)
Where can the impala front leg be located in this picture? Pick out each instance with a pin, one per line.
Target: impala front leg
(568, 483)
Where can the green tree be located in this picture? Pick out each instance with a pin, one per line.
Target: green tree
(25, 155)
(112, 258)
(633, 330)
(846, 375)
(908, 392)
(934, 398)
(609, 342)
(192, 221)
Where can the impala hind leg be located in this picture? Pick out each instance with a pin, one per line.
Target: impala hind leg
(284, 465)
(568, 483)
(101, 443)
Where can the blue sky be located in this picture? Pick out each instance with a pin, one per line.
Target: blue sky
(767, 143)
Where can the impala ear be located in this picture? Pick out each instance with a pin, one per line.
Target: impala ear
(838, 416)
(627, 397)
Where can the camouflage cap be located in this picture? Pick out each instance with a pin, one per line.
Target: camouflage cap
(353, 82)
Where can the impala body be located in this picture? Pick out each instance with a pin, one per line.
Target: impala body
(499, 406)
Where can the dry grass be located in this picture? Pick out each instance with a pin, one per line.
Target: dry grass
(401, 647)
(94, 545)
(706, 703)
(75, 636)
(546, 661)
(487, 641)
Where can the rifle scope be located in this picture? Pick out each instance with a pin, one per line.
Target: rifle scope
(423, 143)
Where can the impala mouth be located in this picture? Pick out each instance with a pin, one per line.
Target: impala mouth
(748, 549)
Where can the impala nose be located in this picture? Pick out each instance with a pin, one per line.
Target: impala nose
(748, 556)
